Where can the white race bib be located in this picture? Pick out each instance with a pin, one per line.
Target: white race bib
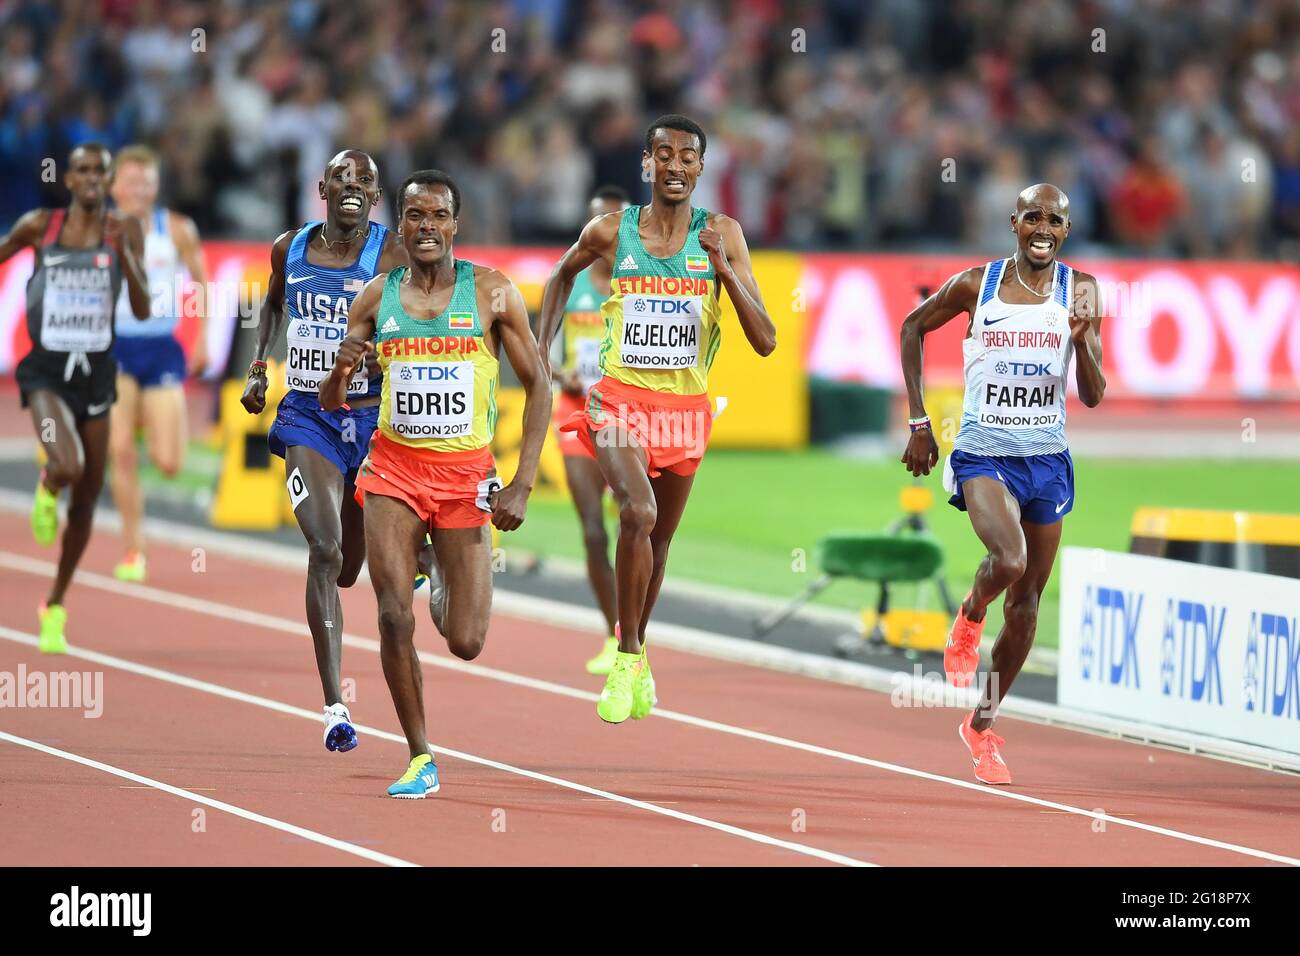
(77, 311)
(486, 489)
(312, 348)
(588, 364)
(431, 399)
(661, 331)
(1018, 401)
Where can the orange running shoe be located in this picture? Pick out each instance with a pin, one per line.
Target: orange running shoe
(984, 753)
(961, 655)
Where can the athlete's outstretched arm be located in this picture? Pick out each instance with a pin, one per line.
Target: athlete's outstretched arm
(1085, 330)
(598, 240)
(269, 322)
(510, 320)
(724, 241)
(190, 249)
(957, 295)
(26, 232)
(356, 345)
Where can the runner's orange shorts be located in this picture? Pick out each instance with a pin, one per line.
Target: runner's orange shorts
(566, 406)
(447, 489)
(673, 429)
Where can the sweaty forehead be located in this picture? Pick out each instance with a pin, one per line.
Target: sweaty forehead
(677, 139)
(355, 163)
(426, 196)
(1047, 210)
(1045, 201)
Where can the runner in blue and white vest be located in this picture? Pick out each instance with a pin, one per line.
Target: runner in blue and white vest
(151, 365)
(1010, 468)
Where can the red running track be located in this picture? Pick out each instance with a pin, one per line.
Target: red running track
(209, 689)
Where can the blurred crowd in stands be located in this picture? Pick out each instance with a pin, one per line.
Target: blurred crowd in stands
(1174, 125)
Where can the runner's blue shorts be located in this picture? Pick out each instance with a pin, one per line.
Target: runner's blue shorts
(1042, 484)
(342, 437)
(152, 360)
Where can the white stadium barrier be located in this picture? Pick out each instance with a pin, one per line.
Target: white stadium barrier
(1179, 645)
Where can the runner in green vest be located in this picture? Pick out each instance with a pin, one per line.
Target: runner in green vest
(648, 419)
(437, 329)
(583, 334)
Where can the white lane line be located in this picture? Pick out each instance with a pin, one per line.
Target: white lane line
(263, 553)
(149, 782)
(273, 622)
(191, 683)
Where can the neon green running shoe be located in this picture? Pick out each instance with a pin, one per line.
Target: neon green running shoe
(604, 661)
(132, 568)
(52, 618)
(615, 704)
(643, 690)
(45, 515)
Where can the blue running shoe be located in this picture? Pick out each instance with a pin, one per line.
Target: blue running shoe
(420, 779)
(340, 735)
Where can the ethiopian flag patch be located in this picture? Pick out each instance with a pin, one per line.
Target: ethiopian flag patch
(460, 320)
(697, 263)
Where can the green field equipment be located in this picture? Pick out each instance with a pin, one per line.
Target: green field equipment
(905, 553)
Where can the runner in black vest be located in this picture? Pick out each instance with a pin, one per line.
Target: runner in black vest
(68, 379)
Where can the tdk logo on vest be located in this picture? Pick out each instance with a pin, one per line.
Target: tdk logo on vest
(1271, 682)
(1189, 652)
(1027, 368)
(1108, 636)
(328, 333)
(664, 306)
(431, 373)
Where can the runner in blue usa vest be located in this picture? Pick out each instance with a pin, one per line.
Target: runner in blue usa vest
(316, 272)
(1010, 468)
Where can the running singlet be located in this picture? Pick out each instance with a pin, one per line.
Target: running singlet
(162, 269)
(584, 330)
(317, 299)
(1016, 361)
(661, 317)
(71, 297)
(440, 381)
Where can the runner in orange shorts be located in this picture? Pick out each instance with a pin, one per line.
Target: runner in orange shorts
(584, 330)
(647, 420)
(437, 329)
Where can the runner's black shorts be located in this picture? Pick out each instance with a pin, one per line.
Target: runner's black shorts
(87, 382)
